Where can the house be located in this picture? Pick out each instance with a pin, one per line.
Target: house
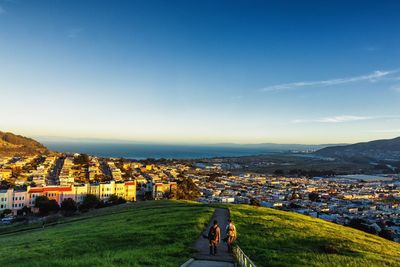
(162, 190)
(130, 190)
(5, 174)
(5, 199)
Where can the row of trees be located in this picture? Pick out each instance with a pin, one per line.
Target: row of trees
(69, 207)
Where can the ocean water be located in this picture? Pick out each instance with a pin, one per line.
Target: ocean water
(143, 151)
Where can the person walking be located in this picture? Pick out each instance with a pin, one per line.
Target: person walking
(214, 236)
(230, 235)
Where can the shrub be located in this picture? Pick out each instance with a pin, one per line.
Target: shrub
(68, 207)
(89, 202)
(46, 206)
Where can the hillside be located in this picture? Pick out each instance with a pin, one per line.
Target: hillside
(378, 150)
(160, 233)
(156, 233)
(11, 144)
(278, 238)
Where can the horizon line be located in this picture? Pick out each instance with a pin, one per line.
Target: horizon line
(117, 140)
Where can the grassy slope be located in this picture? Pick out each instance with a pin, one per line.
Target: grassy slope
(276, 238)
(157, 233)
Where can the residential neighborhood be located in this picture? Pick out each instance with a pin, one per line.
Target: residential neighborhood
(370, 203)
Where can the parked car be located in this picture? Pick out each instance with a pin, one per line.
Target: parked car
(7, 220)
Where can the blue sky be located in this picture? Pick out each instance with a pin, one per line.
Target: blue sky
(201, 71)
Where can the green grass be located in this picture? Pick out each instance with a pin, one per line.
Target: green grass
(160, 233)
(156, 233)
(277, 238)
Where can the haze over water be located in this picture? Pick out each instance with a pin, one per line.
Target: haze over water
(143, 151)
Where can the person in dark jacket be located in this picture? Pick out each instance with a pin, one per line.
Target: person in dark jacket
(214, 237)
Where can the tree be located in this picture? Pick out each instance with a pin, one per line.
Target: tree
(101, 205)
(89, 202)
(5, 212)
(121, 200)
(148, 195)
(46, 206)
(68, 207)
(5, 184)
(24, 211)
(387, 233)
(16, 172)
(187, 189)
(313, 196)
(82, 159)
(293, 205)
(362, 225)
(40, 201)
(255, 202)
(115, 200)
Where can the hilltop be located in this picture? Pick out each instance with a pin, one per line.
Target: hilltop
(12, 144)
(278, 238)
(379, 150)
(160, 233)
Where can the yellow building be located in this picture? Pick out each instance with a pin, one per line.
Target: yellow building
(149, 167)
(130, 191)
(119, 189)
(164, 189)
(103, 191)
(79, 192)
(126, 190)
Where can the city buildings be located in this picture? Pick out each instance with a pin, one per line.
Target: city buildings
(17, 199)
(341, 199)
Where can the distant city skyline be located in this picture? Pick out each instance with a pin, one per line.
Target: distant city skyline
(203, 72)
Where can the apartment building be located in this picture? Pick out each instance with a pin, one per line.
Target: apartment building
(16, 199)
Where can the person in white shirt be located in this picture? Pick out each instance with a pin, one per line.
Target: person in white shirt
(231, 235)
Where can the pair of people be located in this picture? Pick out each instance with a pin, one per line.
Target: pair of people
(214, 236)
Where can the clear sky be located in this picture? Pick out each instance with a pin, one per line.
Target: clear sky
(201, 71)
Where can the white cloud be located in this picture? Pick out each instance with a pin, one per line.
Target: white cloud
(396, 88)
(344, 118)
(335, 119)
(372, 77)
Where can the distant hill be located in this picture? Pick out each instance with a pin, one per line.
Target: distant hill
(274, 147)
(12, 144)
(160, 233)
(379, 150)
